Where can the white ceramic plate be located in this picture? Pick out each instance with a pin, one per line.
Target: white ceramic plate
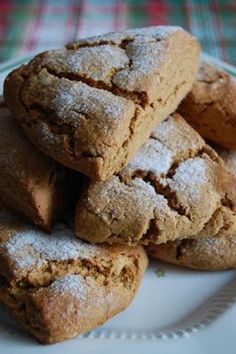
(183, 311)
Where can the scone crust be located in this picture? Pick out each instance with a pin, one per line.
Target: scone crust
(176, 186)
(212, 253)
(58, 286)
(92, 105)
(210, 107)
(208, 253)
(30, 182)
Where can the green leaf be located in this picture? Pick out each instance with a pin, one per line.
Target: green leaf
(160, 272)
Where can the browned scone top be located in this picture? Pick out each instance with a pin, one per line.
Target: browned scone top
(92, 105)
(29, 181)
(58, 286)
(176, 186)
(210, 107)
(209, 253)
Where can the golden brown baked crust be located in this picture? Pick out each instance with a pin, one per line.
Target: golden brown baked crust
(175, 187)
(210, 107)
(58, 286)
(91, 106)
(29, 181)
(212, 253)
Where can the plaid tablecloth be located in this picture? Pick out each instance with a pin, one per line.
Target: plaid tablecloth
(28, 26)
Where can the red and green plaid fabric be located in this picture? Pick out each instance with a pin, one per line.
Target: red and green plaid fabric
(28, 26)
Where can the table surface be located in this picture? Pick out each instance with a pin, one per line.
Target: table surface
(29, 26)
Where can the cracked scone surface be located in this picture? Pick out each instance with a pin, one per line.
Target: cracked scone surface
(30, 182)
(176, 186)
(58, 286)
(208, 253)
(210, 107)
(92, 105)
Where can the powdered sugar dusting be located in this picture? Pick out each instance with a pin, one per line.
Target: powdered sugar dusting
(146, 58)
(75, 285)
(214, 246)
(142, 194)
(153, 157)
(159, 32)
(154, 31)
(145, 196)
(146, 50)
(211, 245)
(84, 289)
(177, 135)
(91, 102)
(191, 175)
(33, 247)
(96, 63)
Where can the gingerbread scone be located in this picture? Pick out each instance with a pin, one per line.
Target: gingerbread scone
(92, 105)
(175, 187)
(58, 286)
(210, 107)
(30, 182)
(210, 253)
